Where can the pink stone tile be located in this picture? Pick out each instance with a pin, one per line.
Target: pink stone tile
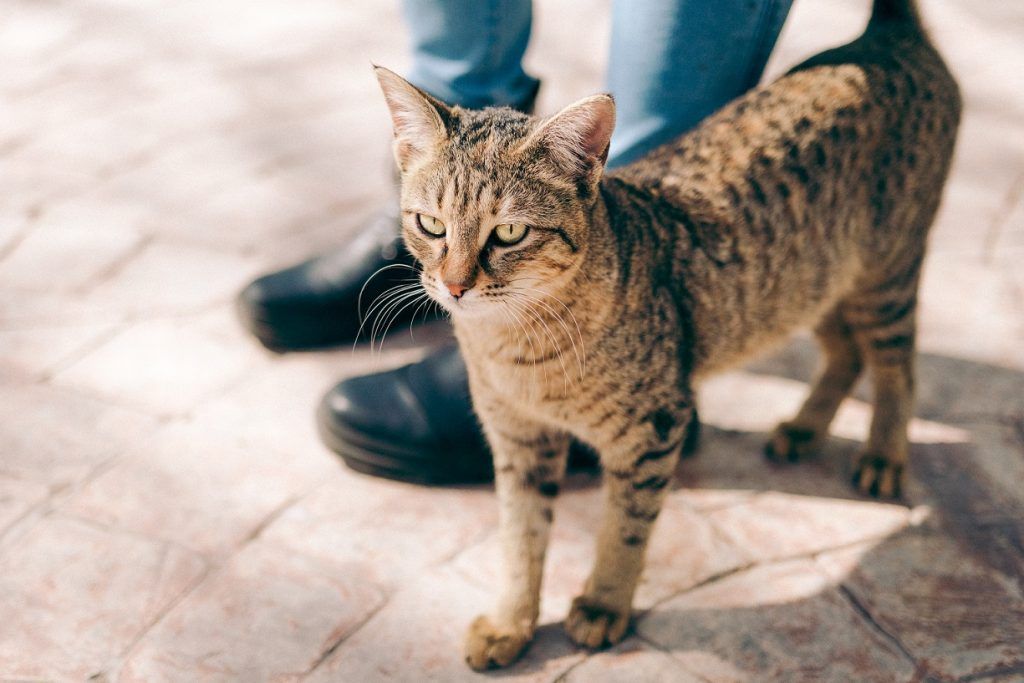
(631, 660)
(684, 551)
(418, 637)
(956, 615)
(171, 278)
(777, 622)
(274, 405)
(38, 351)
(708, 499)
(75, 596)
(570, 556)
(49, 310)
(972, 311)
(67, 250)
(395, 530)
(266, 615)
(732, 462)
(165, 366)
(189, 486)
(773, 526)
(56, 438)
(16, 498)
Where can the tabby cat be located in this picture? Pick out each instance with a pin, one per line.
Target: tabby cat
(589, 304)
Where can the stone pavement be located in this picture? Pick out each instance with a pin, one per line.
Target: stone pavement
(167, 513)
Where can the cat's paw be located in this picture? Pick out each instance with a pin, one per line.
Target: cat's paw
(595, 625)
(489, 645)
(790, 442)
(876, 475)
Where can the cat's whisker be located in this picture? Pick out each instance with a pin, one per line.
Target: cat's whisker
(380, 301)
(551, 336)
(383, 300)
(513, 308)
(412, 300)
(359, 300)
(580, 358)
(387, 316)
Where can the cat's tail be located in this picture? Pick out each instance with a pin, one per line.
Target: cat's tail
(902, 11)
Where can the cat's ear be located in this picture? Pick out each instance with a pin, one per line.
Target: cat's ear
(418, 119)
(577, 137)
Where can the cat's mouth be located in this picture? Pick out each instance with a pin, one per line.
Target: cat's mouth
(472, 303)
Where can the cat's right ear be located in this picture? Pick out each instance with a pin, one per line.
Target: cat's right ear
(418, 119)
(577, 138)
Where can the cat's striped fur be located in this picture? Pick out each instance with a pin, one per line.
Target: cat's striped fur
(805, 203)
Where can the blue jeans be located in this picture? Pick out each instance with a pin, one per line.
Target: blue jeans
(672, 62)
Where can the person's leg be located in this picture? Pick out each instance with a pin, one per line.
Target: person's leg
(673, 62)
(470, 52)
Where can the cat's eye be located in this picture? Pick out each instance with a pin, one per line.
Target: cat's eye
(430, 225)
(510, 233)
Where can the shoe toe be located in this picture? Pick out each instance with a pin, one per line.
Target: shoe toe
(377, 407)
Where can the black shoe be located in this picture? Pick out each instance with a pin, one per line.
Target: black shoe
(315, 304)
(416, 423)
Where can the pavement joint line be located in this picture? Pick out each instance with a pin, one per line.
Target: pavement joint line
(1000, 220)
(869, 620)
(78, 353)
(117, 266)
(327, 652)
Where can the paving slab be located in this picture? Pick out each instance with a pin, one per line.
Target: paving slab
(955, 615)
(17, 497)
(394, 530)
(782, 621)
(76, 596)
(69, 252)
(38, 352)
(164, 366)
(264, 616)
(631, 660)
(774, 526)
(57, 438)
(418, 637)
(173, 279)
(202, 492)
(685, 550)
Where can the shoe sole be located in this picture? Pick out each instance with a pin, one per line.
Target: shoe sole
(379, 458)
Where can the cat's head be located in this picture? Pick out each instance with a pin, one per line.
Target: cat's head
(494, 202)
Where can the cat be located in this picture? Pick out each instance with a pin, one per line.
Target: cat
(589, 304)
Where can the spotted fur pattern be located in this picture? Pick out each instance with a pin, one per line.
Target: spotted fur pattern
(805, 203)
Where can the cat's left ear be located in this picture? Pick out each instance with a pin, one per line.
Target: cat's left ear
(577, 138)
(418, 118)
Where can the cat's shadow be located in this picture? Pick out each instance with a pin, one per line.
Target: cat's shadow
(861, 624)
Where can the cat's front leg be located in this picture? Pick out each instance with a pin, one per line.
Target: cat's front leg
(529, 463)
(638, 470)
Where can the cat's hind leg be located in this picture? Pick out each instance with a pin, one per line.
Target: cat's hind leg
(804, 434)
(884, 328)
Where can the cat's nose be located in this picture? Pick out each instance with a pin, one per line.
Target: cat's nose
(457, 289)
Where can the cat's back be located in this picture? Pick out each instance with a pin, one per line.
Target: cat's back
(857, 137)
(799, 191)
